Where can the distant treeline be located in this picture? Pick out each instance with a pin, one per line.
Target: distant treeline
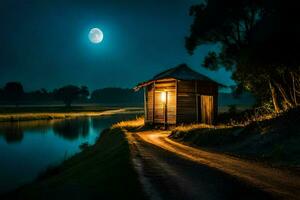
(117, 95)
(13, 94)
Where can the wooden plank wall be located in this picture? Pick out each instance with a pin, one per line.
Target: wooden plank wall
(172, 106)
(186, 102)
(207, 88)
(207, 114)
(186, 99)
(182, 107)
(168, 86)
(149, 104)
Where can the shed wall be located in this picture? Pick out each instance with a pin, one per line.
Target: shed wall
(207, 88)
(154, 108)
(168, 86)
(149, 104)
(182, 104)
(186, 102)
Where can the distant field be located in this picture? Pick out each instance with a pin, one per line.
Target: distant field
(8, 109)
(48, 112)
(59, 111)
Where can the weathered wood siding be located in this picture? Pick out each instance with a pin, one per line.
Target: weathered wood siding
(172, 106)
(186, 102)
(187, 108)
(182, 103)
(207, 109)
(210, 89)
(149, 104)
(168, 86)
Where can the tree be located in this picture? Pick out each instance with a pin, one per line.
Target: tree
(1, 94)
(13, 92)
(69, 93)
(255, 38)
(72, 129)
(84, 93)
(272, 48)
(117, 96)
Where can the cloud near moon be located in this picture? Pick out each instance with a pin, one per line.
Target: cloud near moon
(95, 35)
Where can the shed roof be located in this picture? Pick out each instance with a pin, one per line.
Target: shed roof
(181, 72)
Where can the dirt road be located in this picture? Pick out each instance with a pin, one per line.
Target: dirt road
(170, 170)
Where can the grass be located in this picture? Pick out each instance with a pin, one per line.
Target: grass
(8, 114)
(273, 139)
(247, 116)
(270, 138)
(206, 135)
(192, 127)
(101, 171)
(129, 124)
(53, 108)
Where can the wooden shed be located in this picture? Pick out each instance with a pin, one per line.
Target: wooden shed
(180, 95)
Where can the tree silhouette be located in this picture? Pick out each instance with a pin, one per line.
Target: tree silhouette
(256, 41)
(72, 129)
(13, 92)
(13, 134)
(117, 95)
(70, 93)
(84, 93)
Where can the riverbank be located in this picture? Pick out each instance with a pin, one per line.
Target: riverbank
(49, 113)
(100, 171)
(274, 141)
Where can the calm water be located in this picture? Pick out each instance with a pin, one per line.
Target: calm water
(27, 148)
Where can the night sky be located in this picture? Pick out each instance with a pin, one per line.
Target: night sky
(44, 44)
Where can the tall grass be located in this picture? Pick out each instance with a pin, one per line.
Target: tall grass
(50, 115)
(138, 122)
(191, 127)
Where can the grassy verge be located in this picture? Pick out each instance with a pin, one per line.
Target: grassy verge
(273, 140)
(101, 171)
(48, 113)
(53, 108)
(130, 124)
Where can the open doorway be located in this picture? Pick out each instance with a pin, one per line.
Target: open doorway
(205, 109)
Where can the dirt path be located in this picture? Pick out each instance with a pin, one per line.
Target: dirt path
(170, 170)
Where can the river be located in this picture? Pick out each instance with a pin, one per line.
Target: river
(30, 147)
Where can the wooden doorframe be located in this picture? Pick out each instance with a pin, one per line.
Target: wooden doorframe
(153, 104)
(198, 96)
(166, 110)
(212, 109)
(165, 105)
(145, 104)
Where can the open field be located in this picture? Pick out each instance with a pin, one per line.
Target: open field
(26, 113)
(53, 108)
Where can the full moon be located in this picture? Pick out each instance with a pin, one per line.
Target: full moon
(95, 35)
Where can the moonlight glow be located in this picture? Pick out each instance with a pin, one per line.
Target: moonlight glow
(95, 35)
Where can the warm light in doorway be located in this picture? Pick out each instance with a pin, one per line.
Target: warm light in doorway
(163, 96)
